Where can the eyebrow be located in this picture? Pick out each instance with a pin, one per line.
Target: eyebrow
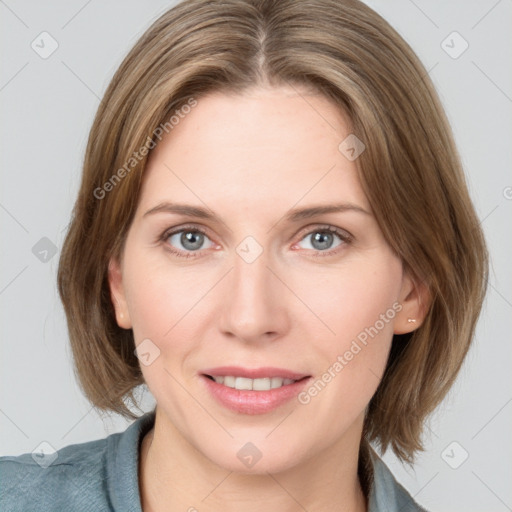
(293, 215)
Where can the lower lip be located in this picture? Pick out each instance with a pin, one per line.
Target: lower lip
(250, 401)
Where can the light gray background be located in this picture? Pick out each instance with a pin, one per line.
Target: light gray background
(47, 107)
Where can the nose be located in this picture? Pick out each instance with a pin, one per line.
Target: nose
(254, 305)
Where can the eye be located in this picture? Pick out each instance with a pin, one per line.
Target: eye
(186, 240)
(325, 239)
(190, 241)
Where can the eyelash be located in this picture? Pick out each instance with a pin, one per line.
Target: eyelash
(344, 236)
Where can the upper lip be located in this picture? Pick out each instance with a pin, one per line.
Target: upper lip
(253, 373)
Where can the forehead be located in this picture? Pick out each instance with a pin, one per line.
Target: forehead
(260, 149)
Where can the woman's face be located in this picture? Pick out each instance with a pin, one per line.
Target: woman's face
(248, 276)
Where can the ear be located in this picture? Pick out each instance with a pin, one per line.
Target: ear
(415, 301)
(117, 294)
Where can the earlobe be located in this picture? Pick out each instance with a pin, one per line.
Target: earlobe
(115, 280)
(415, 301)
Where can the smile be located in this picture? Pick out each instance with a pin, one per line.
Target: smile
(243, 383)
(253, 391)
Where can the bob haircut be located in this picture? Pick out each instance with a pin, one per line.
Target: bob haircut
(410, 171)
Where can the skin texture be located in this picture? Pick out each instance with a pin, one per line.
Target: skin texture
(250, 159)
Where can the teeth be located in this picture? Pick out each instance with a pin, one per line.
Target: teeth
(244, 383)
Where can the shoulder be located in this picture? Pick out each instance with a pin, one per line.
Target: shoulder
(99, 475)
(73, 476)
(386, 492)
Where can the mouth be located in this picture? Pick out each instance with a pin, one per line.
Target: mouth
(253, 391)
(247, 384)
(257, 379)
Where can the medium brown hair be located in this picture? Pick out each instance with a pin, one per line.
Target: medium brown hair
(410, 172)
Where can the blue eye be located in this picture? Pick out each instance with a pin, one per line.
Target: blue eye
(323, 239)
(191, 240)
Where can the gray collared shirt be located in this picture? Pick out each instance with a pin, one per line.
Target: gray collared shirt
(102, 475)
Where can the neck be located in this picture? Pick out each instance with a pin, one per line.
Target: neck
(174, 475)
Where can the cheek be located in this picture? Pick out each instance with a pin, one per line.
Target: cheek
(160, 296)
(350, 299)
(150, 305)
(359, 308)
(162, 302)
(169, 306)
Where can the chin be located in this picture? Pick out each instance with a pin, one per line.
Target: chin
(254, 459)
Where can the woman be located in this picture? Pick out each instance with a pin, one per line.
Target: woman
(273, 232)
